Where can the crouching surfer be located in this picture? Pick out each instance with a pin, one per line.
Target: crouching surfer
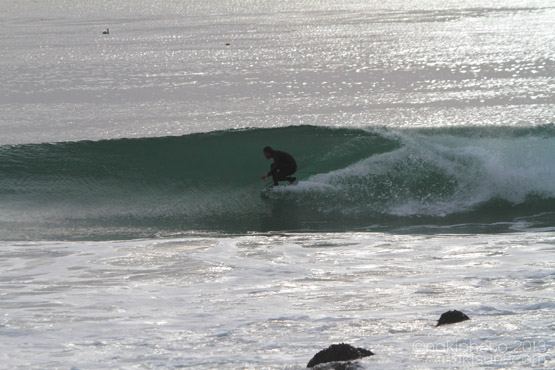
(283, 167)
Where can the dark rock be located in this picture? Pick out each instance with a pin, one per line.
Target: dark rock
(338, 366)
(451, 317)
(337, 353)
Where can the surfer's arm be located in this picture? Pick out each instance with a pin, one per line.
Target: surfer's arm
(273, 170)
(271, 173)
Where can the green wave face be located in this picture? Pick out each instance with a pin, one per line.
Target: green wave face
(483, 179)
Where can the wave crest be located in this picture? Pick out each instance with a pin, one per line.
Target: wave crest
(349, 179)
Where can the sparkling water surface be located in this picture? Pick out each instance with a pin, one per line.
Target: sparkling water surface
(175, 68)
(273, 301)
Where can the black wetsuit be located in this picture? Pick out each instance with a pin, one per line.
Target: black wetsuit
(283, 167)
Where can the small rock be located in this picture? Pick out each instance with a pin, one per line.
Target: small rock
(337, 353)
(338, 366)
(452, 317)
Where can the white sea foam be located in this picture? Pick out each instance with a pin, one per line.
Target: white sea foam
(273, 301)
(471, 170)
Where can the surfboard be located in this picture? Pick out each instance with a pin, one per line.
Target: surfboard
(267, 190)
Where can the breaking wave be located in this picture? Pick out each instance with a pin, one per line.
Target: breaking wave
(478, 179)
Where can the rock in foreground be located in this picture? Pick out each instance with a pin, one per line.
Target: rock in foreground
(451, 317)
(337, 353)
(345, 365)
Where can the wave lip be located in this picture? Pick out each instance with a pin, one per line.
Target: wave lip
(349, 179)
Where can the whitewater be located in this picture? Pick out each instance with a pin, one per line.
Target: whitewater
(135, 232)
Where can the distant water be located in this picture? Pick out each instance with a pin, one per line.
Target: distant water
(166, 68)
(135, 233)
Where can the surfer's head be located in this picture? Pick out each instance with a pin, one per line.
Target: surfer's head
(268, 152)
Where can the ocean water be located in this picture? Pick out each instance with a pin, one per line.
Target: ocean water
(135, 233)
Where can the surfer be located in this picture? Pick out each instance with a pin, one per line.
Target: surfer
(283, 167)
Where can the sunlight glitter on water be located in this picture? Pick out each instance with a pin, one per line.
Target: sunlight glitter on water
(254, 298)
